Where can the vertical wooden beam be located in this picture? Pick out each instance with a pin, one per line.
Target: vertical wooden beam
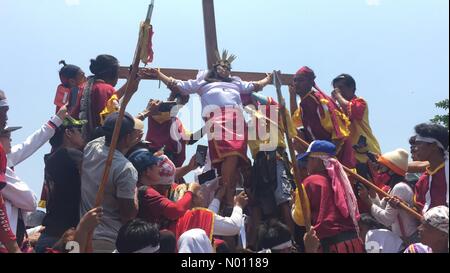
(209, 21)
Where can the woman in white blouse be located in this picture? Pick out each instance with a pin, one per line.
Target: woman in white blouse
(395, 165)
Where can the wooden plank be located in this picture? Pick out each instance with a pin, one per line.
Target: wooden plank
(209, 22)
(188, 74)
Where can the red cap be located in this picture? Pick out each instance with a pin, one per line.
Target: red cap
(306, 72)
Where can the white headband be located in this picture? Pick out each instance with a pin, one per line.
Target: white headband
(149, 249)
(4, 103)
(430, 140)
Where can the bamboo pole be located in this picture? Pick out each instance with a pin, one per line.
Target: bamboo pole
(358, 177)
(282, 102)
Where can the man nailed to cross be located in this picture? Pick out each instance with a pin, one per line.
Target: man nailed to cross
(216, 87)
(220, 95)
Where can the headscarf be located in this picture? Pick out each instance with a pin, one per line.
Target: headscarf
(437, 217)
(194, 241)
(167, 171)
(344, 197)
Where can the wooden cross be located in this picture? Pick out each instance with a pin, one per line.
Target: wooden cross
(211, 49)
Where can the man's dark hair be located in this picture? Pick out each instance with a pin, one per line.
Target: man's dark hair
(347, 80)
(435, 131)
(68, 71)
(58, 138)
(412, 140)
(126, 128)
(168, 242)
(136, 235)
(104, 67)
(273, 233)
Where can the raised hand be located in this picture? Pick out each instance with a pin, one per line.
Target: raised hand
(62, 112)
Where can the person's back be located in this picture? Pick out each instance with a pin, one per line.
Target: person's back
(160, 129)
(101, 92)
(121, 184)
(325, 215)
(62, 176)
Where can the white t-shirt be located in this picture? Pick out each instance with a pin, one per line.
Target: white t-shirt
(219, 94)
(389, 216)
(121, 184)
(382, 241)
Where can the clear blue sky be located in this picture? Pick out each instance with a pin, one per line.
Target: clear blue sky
(397, 50)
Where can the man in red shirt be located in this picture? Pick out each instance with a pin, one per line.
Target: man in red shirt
(98, 90)
(333, 205)
(156, 176)
(357, 110)
(320, 116)
(431, 144)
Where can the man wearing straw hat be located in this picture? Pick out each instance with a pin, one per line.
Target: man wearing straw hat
(394, 165)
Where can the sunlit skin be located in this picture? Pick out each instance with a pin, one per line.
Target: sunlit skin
(151, 175)
(223, 71)
(302, 85)
(6, 140)
(347, 92)
(428, 152)
(436, 239)
(74, 138)
(315, 166)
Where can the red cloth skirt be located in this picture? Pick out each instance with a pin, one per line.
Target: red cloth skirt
(227, 135)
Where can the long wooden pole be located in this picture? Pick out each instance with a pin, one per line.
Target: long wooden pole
(115, 137)
(209, 21)
(358, 177)
(282, 102)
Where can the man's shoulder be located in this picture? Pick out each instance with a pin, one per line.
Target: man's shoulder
(358, 100)
(100, 85)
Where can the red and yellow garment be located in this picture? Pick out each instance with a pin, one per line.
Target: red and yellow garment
(196, 218)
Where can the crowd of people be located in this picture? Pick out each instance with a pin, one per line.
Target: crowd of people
(236, 204)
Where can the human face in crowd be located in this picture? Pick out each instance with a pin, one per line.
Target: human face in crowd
(152, 174)
(302, 84)
(223, 71)
(5, 140)
(314, 165)
(430, 235)
(115, 79)
(75, 137)
(79, 79)
(3, 116)
(134, 137)
(412, 143)
(422, 151)
(347, 92)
